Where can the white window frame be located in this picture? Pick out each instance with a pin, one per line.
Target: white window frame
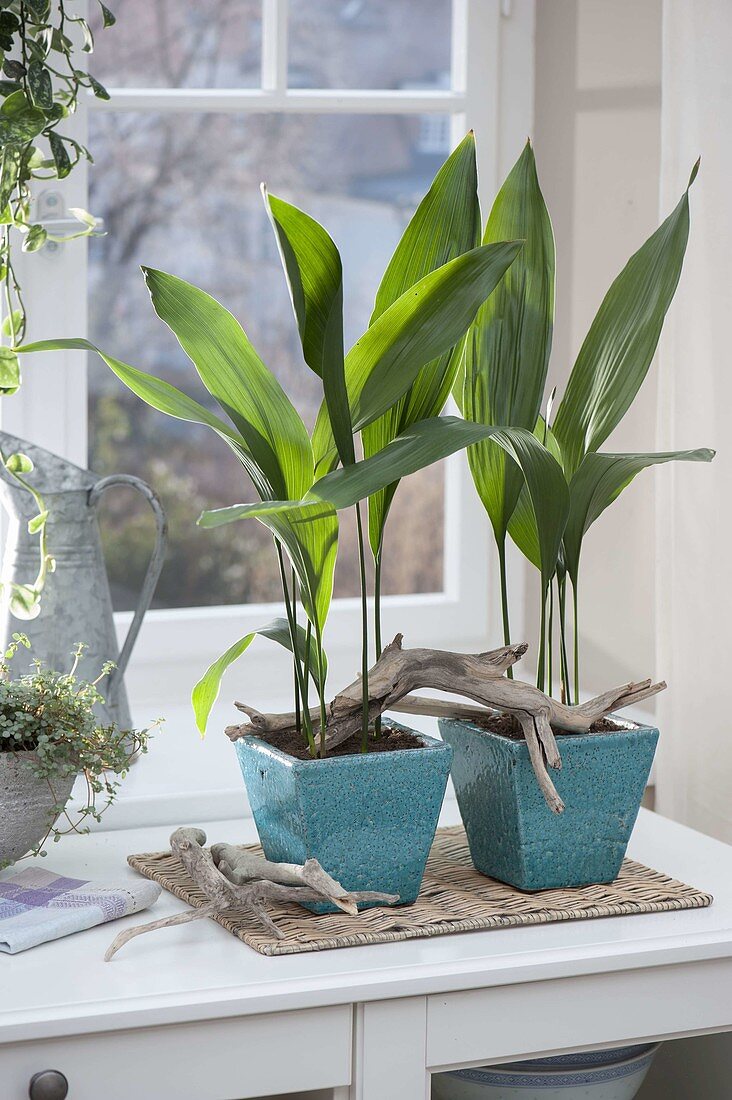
(492, 92)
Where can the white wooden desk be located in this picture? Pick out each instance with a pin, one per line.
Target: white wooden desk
(190, 1013)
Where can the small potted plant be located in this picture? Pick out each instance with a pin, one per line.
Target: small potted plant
(359, 795)
(576, 831)
(50, 735)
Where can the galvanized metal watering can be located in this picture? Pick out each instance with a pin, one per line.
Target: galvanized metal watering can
(76, 605)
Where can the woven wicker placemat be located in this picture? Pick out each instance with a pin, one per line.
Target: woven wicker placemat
(454, 898)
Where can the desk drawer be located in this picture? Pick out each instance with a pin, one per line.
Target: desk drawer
(231, 1059)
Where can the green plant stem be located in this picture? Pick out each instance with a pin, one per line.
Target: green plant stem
(501, 544)
(293, 640)
(550, 643)
(298, 719)
(306, 669)
(364, 636)
(321, 688)
(377, 624)
(540, 677)
(563, 658)
(576, 646)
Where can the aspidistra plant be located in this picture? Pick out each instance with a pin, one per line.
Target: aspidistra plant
(269, 437)
(610, 368)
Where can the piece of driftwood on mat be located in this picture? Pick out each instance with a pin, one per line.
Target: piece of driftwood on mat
(454, 898)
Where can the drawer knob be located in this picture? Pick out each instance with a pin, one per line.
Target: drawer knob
(49, 1084)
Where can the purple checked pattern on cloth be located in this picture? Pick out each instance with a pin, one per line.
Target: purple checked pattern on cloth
(37, 905)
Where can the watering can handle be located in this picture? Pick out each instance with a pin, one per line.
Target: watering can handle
(156, 560)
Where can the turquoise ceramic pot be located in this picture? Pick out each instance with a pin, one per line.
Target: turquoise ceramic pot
(512, 833)
(368, 819)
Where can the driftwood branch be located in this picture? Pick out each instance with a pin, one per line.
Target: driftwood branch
(233, 878)
(477, 676)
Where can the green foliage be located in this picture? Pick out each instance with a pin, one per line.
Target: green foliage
(206, 691)
(617, 351)
(51, 714)
(444, 226)
(504, 376)
(425, 311)
(41, 91)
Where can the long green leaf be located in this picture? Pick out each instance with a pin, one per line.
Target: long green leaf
(445, 225)
(420, 446)
(237, 378)
(415, 448)
(617, 352)
(598, 482)
(427, 320)
(314, 275)
(206, 691)
(165, 398)
(508, 346)
(522, 524)
(308, 529)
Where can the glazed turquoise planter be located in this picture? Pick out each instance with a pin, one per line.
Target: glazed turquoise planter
(512, 833)
(368, 819)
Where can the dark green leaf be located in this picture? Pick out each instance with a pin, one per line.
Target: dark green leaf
(39, 85)
(599, 480)
(233, 373)
(315, 280)
(507, 348)
(445, 225)
(108, 17)
(60, 155)
(426, 321)
(99, 90)
(13, 69)
(617, 352)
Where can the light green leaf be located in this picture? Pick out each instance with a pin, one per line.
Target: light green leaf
(426, 321)
(154, 391)
(308, 529)
(617, 352)
(25, 602)
(9, 371)
(315, 280)
(598, 482)
(9, 328)
(38, 522)
(234, 374)
(507, 348)
(445, 225)
(18, 463)
(34, 239)
(206, 691)
(84, 217)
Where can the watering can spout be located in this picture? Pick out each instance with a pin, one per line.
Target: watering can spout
(51, 473)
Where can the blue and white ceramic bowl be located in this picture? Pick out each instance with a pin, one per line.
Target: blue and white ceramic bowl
(597, 1075)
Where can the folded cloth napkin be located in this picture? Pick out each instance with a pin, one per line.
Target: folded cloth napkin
(36, 905)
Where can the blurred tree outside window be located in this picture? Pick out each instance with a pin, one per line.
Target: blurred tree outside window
(179, 190)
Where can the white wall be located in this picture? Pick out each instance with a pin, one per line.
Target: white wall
(597, 138)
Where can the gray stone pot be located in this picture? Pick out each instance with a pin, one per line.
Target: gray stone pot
(26, 804)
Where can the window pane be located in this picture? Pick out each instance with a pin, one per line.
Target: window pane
(369, 44)
(180, 44)
(181, 192)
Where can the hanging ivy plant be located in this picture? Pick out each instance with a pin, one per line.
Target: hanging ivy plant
(40, 84)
